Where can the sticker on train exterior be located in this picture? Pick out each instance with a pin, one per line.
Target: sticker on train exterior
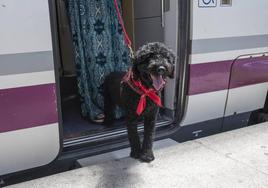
(207, 3)
(196, 133)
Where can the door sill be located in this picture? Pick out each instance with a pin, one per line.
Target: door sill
(107, 135)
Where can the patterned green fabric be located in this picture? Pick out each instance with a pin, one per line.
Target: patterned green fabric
(99, 49)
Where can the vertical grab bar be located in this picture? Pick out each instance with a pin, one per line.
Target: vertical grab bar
(163, 13)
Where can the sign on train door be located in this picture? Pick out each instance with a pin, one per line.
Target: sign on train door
(207, 3)
(29, 129)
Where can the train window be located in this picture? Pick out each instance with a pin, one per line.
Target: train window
(226, 2)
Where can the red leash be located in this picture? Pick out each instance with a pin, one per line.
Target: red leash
(126, 37)
(140, 89)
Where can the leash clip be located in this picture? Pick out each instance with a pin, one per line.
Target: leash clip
(131, 52)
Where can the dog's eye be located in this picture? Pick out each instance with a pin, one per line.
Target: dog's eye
(161, 70)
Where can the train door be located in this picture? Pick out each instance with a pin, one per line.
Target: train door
(248, 86)
(29, 129)
(246, 45)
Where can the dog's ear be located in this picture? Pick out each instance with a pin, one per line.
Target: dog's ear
(139, 67)
(171, 60)
(171, 72)
(135, 69)
(141, 56)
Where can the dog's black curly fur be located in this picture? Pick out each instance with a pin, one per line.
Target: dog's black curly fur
(148, 60)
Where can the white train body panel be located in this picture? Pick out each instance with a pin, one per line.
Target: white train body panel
(27, 71)
(222, 80)
(223, 34)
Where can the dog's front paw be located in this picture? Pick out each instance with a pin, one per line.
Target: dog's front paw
(135, 155)
(147, 157)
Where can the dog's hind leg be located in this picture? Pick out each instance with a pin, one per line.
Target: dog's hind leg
(133, 138)
(147, 145)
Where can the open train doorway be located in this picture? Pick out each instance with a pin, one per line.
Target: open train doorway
(144, 24)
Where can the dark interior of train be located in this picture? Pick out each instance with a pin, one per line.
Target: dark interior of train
(137, 22)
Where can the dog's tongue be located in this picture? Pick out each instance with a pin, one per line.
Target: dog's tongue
(158, 82)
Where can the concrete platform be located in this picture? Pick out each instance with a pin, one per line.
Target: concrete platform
(232, 159)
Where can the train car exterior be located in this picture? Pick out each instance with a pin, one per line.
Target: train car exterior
(222, 74)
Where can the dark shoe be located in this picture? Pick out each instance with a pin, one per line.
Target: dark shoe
(99, 119)
(147, 157)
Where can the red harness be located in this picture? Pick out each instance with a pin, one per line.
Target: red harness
(137, 86)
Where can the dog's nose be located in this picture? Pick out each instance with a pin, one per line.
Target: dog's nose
(161, 70)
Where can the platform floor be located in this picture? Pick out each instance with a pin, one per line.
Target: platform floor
(233, 159)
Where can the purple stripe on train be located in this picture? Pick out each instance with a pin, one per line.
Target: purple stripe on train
(208, 77)
(215, 76)
(27, 107)
(34, 106)
(249, 71)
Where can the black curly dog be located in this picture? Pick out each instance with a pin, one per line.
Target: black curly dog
(153, 62)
